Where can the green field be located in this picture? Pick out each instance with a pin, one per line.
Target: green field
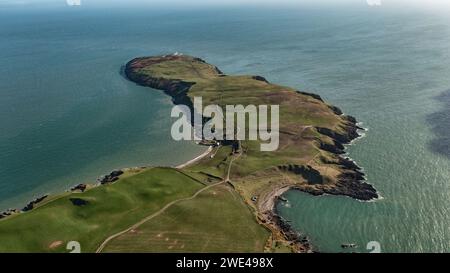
(111, 208)
(151, 211)
(300, 114)
(216, 221)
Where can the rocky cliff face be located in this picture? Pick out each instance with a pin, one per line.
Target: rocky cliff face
(350, 182)
(332, 131)
(177, 89)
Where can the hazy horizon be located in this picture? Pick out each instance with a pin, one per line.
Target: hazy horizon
(440, 4)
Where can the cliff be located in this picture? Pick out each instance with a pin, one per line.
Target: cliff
(312, 137)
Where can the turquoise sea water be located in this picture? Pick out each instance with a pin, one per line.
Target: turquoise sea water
(67, 115)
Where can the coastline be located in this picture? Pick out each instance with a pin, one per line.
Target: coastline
(299, 241)
(195, 159)
(37, 201)
(279, 226)
(350, 182)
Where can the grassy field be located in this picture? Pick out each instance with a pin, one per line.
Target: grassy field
(216, 221)
(220, 219)
(303, 151)
(300, 114)
(111, 208)
(216, 166)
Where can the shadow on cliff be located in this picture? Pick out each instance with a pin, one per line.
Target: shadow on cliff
(440, 126)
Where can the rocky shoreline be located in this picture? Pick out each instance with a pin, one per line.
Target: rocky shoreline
(105, 179)
(29, 206)
(351, 181)
(280, 228)
(176, 89)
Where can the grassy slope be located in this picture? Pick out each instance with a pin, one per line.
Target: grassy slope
(111, 208)
(216, 221)
(298, 114)
(255, 174)
(115, 207)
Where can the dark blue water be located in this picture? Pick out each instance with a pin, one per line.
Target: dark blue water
(67, 115)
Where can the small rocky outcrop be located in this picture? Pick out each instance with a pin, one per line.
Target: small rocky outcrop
(79, 187)
(260, 78)
(109, 178)
(31, 204)
(8, 212)
(315, 96)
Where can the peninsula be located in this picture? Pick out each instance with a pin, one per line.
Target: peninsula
(223, 201)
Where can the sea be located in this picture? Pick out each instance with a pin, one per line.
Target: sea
(68, 115)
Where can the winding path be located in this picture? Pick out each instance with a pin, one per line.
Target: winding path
(227, 179)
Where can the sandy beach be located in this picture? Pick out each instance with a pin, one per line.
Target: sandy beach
(196, 159)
